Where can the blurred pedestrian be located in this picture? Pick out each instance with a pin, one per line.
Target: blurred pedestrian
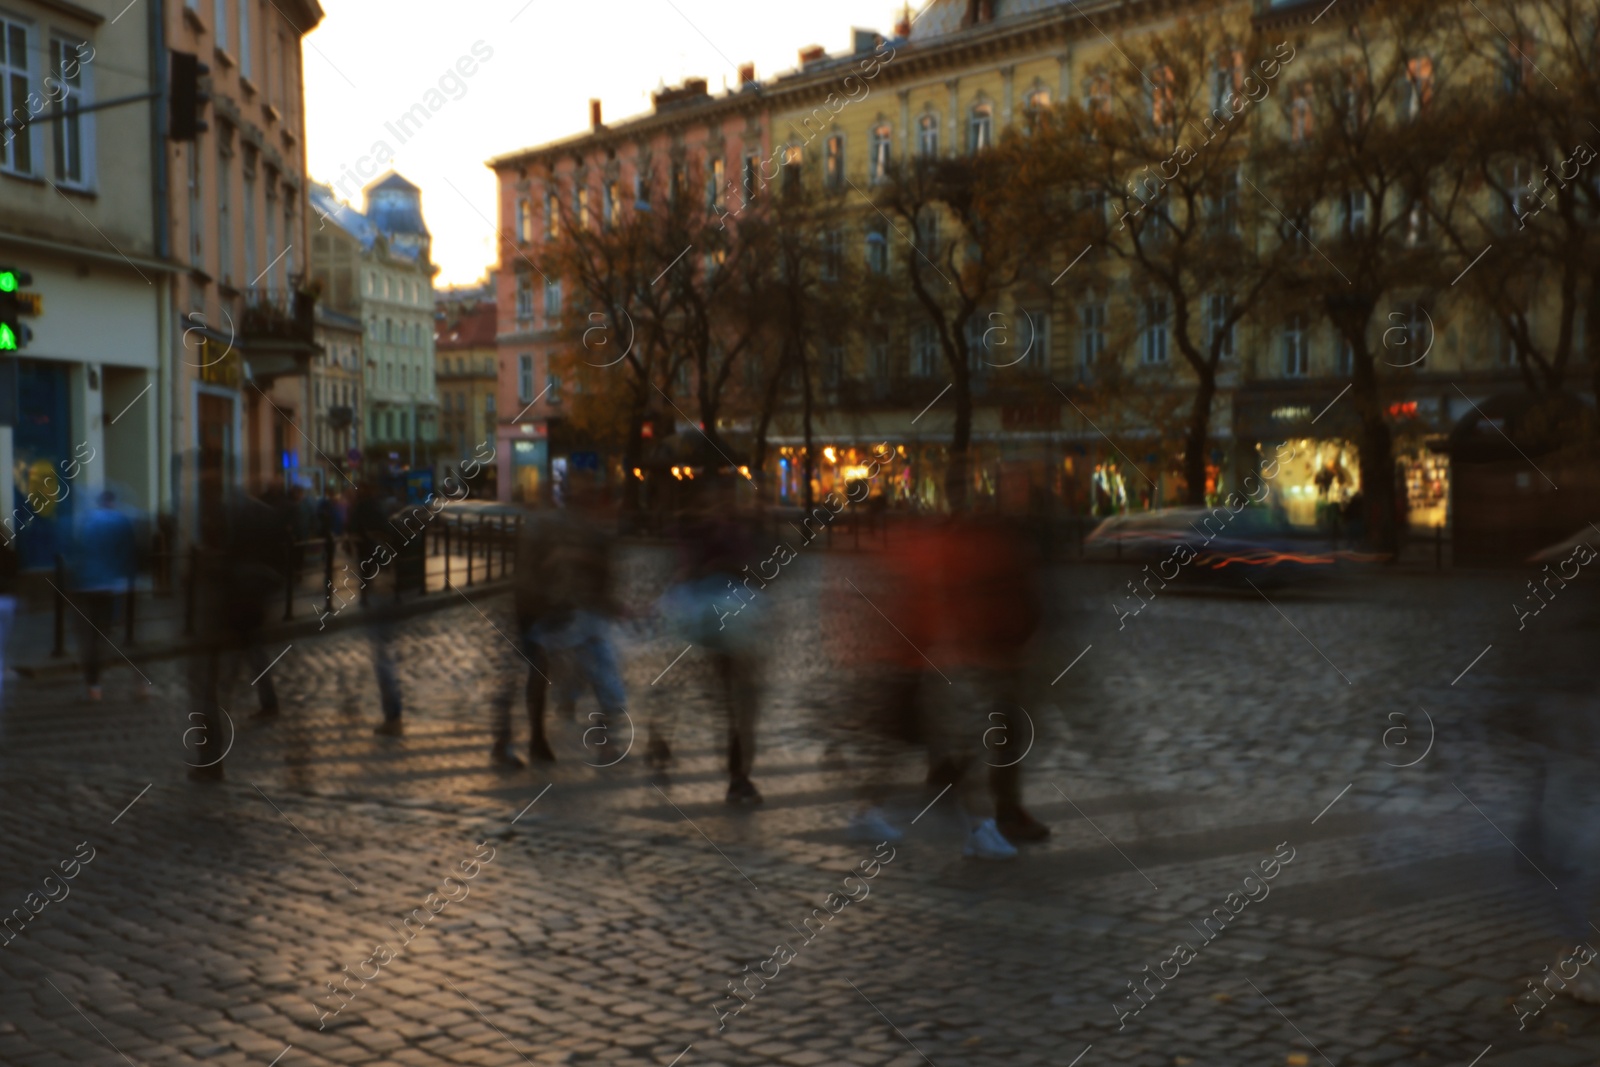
(105, 557)
(713, 604)
(9, 565)
(241, 576)
(565, 602)
(372, 534)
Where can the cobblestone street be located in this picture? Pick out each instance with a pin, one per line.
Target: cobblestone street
(1173, 756)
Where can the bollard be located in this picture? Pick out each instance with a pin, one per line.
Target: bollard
(189, 591)
(60, 648)
(290, 574)
(128, 630)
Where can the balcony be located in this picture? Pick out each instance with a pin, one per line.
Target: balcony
(277, 329)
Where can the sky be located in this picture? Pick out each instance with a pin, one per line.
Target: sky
(370, 61)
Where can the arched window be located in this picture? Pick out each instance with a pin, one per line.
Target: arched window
(1097, 94)
(928, 136)
(980, 128)
(882, 152)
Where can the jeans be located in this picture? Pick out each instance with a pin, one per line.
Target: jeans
(585, 638)
(380, 634)
(8, 616)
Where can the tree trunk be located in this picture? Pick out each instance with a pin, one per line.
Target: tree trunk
(958, 472)
(633, 456)
(1377, 457)
(1194, 453)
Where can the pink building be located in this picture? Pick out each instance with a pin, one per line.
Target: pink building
(602, 173)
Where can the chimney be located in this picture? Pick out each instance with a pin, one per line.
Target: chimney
(902, 28)
(747, 74)
(595, 125)
(812, 53)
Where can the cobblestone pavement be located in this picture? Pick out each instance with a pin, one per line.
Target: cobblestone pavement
(610, 910)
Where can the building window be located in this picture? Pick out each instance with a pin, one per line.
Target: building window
(832, 255)
(878, 360)
(249, 205)
(1227, 80)
(1417, 331)
(1219, 309)
(1224, 213)
(219, 29)
(552, 387)
(1162, 109)
(552, 299)
(980, 129)
(1417, 89)
(882, 153)
(833, 161)
(1296, 358)
(794, 158)
(1353, 213)
(197, 242)
(877, 252)
(1301, 125)
(72, 133)
(524, 296)
(16, 154)
(608, 204)
(224, 218)
(924, 350)
(752, 170)
(1097, 95)
(928, 136)
(524, 221)
(525, 379)
(1037, 100)
(1344, 357)
(552, 217)
(927, 230)
(246, 69)
(1092, 335)
(1517, 66)
(716, 184)
(1154, 337)
(832, 365)
(1416, 224)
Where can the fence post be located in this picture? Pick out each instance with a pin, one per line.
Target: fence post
(504, 545)
(469, 554)
(189, 588)
(1438, 547)
(128, 631)
(290, 576)
(445, 531)
(60, 648)
(488, 548)
(327, 568)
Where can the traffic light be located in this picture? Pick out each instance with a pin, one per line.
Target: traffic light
(187, 98)
(14, 334)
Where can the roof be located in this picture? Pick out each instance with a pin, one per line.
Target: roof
(394, 206)
(392, 180)
(330, 208)
(475, 329)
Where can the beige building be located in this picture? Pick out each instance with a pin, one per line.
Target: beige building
(86, 404)
(467, 378)
(241, 391)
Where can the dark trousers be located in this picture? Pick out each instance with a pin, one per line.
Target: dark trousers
(538, 661)
(742, 697)
(99, 610)
(213, 673)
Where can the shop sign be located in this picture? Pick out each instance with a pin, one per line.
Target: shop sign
(1291, 413)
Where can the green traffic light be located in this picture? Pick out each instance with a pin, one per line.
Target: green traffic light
(8, 339)
(8, 281)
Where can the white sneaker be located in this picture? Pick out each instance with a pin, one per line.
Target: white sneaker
(986, 843)
(872, 826)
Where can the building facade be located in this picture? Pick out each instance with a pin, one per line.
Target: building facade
(86, 404)
(336, 377)
(468, 383)
(948, 84)
(397, 305)
(245, 328)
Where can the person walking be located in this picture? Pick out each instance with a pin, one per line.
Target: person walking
(8, 609)
(105, 557)
(241, 574)
(565, 601)
(372, 533)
